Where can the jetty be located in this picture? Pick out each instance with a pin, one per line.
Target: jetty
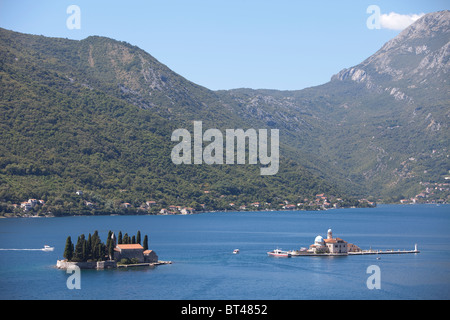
(392, 251)
(148, 264)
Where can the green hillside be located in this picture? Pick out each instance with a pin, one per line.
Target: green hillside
(86, 116)
(97, 115)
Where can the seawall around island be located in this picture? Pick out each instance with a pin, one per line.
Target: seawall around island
(100, 265)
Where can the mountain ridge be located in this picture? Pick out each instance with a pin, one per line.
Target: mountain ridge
(352, 135)
(415, 105)
(73, 118)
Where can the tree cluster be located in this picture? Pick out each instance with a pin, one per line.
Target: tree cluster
(93, 249)
(126, 239)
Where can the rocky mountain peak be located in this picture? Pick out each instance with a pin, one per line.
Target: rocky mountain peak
(418, 52)
(426, 27)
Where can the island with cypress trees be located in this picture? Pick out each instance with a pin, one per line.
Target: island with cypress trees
(123, 251)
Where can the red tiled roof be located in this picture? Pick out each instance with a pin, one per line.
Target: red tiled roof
(129, 246)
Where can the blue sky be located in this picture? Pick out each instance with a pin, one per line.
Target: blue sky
(284, 44)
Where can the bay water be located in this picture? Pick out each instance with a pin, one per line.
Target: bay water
(205, 268)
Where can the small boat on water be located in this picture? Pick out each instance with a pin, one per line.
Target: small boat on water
(235, 251)
(47, 248)
(279, 253)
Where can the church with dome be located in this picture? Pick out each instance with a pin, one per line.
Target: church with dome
(330, 245)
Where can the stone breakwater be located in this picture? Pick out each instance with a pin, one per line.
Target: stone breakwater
(99, 265)
(64, 264)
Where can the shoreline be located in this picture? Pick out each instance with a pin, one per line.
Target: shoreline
(221, 211)
(101, 265)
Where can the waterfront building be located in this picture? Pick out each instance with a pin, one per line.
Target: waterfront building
(136, 252)
(150, 256)
(329, 245)
(318, 246)
(129, 251)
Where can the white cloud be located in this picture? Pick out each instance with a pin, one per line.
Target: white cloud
(396, 21)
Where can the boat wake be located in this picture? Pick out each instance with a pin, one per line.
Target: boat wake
(21, 249)
(45, 248)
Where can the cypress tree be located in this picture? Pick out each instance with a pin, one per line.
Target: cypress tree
(68, 250)
(85, 254)
(108, 239)
(138, 237)
(119, 238)
(95, 239)
(94, 247)
(111, 250)
(145, 243)
(133, 240)
(100, 252)
(78, 253)
(89, 247)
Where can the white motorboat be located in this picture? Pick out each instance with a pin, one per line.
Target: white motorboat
(279, 253)
(47, 248)
(235, 251)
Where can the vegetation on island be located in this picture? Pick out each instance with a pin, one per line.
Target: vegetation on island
(93, 249)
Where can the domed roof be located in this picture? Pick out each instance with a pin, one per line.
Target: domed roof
(318, 239)
(329, 231)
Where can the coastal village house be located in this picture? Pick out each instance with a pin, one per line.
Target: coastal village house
(30, 204)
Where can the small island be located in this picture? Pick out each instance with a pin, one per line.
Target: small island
(121, 252)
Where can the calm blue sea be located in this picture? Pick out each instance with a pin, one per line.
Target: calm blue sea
(204, 267)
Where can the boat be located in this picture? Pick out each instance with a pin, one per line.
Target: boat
(48, 248)
(235, 251)
(279, 253)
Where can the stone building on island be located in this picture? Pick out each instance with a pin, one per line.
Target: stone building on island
(134, 252)
(332, 245)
